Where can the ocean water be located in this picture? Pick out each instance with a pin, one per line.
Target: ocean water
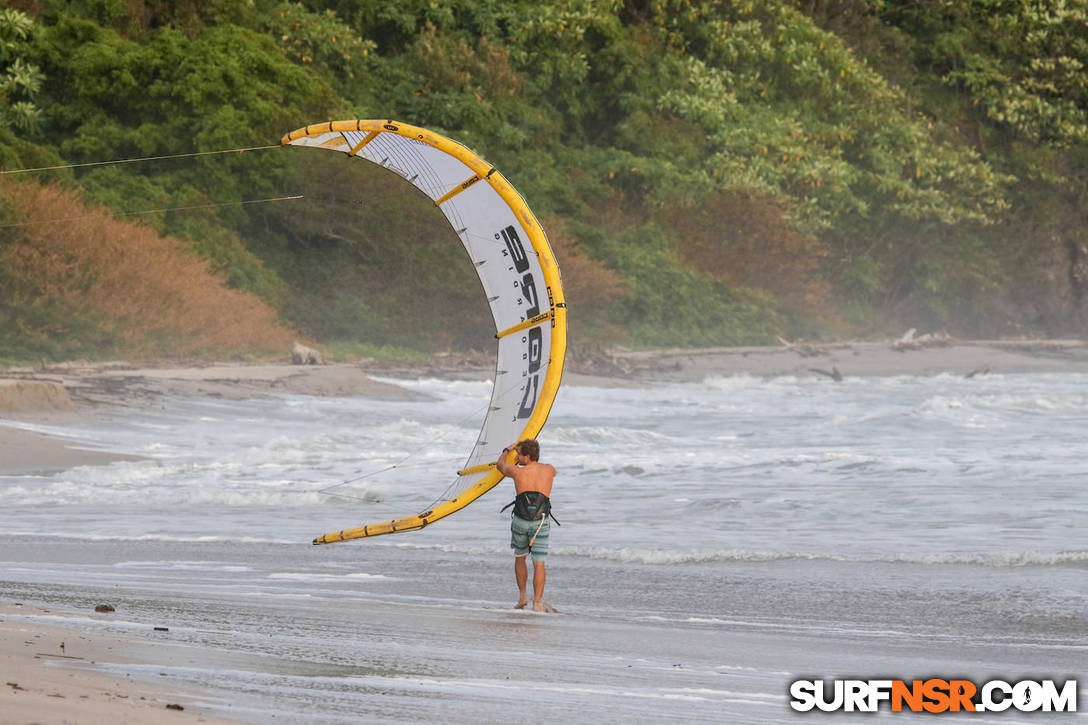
(718, 541)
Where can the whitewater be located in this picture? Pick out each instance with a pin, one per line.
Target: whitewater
(718, 540)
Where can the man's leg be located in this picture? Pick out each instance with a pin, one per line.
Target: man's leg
(538, 586)
(521, 574)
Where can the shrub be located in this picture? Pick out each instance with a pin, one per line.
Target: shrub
(117, 287)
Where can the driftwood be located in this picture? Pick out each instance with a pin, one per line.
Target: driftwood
(803, 349)
(980, 370)
(302, 355)
(592, 359)
(911, 342)
(834, 373)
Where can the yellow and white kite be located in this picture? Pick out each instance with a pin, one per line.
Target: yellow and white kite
(519, 275)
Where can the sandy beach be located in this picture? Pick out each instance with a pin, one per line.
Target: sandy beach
(918, 356)
(49, 670)
(49, 675)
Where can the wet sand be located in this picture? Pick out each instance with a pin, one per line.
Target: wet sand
(48, 677)
(27, 452)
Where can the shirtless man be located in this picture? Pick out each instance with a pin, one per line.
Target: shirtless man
(529, 525)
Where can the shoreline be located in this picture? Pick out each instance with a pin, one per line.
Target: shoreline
(77, 392)
(72, 391)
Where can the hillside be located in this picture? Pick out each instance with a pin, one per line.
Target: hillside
(710, 173)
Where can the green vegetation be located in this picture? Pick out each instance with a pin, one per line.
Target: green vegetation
(709, 172)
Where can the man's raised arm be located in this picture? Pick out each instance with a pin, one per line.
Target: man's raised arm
(505, 468)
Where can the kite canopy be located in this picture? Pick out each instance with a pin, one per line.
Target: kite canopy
(520, 281)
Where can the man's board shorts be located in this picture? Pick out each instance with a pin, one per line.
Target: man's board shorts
(522, 532)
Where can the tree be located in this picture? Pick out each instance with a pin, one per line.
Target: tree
(20, 81)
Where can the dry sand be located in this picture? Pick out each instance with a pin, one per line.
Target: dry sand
(908, 357)
(45, 684)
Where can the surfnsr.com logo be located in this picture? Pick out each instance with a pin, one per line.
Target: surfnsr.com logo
(933, 695)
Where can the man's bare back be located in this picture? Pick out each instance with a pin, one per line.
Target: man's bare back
(533, 476)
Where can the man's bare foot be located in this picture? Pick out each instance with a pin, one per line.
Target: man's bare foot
(521, 603)
(539, 605)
